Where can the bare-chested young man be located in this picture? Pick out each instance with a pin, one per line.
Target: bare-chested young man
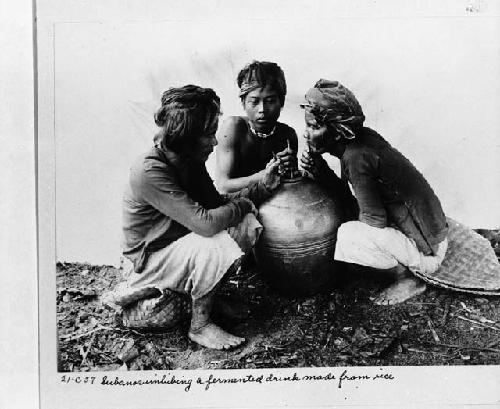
(247, 144)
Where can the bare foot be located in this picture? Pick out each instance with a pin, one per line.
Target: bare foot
(401, 290)
(212, 336)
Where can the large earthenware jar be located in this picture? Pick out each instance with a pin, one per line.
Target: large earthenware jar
(296, 248)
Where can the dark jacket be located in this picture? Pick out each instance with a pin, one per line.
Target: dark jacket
(390, 191)
(168, 197)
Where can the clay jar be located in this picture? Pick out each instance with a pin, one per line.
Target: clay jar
(296, 249)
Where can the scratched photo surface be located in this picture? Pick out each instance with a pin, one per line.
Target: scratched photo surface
(425, 84)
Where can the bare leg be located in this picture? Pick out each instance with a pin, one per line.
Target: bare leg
(405, 286)
(204, 332)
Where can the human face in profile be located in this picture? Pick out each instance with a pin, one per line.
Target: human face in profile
(316, 134)
(205, 144)
(263, 108)
(322, 139)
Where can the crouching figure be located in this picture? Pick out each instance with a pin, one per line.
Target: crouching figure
(401, 227)
(180, 236)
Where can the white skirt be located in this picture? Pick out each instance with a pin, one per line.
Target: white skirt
(383, 248)
(191, 265)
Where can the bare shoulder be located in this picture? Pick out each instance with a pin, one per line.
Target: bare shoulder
(232, 128)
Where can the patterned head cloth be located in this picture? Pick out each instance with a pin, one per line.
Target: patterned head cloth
(258, 74)
(333, 104)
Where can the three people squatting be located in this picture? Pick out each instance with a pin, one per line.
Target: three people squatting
(182, 236)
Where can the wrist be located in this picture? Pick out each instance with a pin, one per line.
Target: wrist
(244, 205)
(260, 176)
(267, 187)
(264, 190)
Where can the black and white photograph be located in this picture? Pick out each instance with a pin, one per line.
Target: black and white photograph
(267, 204)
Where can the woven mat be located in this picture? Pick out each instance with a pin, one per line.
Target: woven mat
(162, 312)
(147, 307)
(470, 264)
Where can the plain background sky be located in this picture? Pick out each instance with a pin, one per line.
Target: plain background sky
(428, 84)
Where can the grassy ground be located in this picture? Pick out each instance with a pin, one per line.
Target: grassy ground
(341, 328)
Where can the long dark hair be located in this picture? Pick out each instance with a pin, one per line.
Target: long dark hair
(185, 113)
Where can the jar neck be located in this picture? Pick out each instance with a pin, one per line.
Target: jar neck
(292, 176)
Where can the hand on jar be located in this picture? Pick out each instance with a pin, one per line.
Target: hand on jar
(247, 205)
(288, 160)
(271, 176)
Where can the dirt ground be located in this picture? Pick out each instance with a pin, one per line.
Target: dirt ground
(340, 328)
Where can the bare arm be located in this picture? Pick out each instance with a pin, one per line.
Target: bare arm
(262, 190)
(232, 130)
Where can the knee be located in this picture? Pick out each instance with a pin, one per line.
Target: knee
(212, 245)
(348, 230)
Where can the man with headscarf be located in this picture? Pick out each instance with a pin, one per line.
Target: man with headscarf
(401, 227)
(247, 144)
(180, 236)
